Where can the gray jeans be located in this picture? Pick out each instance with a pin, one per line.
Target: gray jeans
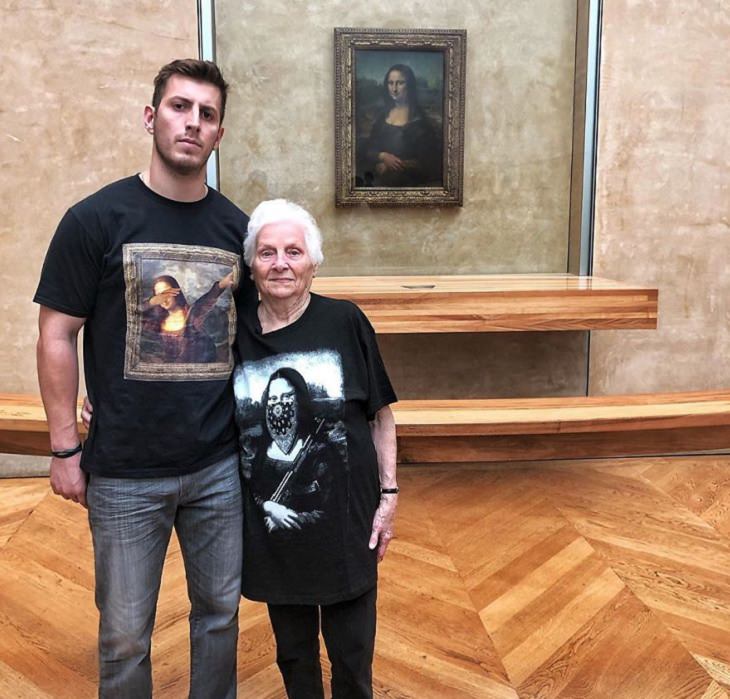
(131, 522)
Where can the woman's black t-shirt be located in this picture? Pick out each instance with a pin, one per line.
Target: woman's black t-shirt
(304, 396)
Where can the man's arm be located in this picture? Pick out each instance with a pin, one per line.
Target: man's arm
(58, 375)
(382, 429)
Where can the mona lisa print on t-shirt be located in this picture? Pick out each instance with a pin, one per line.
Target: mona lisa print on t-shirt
(289, 411)
(181, 317)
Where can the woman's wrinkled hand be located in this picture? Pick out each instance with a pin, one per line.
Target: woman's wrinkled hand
(383, 524)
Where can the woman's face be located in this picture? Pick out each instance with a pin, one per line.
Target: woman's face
(282, 268)
(397, 88)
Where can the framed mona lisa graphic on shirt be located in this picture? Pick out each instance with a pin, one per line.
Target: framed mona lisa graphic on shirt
(399, 116)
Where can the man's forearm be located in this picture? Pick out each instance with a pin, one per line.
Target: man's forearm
(58, 376)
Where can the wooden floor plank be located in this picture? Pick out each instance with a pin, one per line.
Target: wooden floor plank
(607, 658)
(16, 685)
(637, 657)
(715, 691)
(558, 580)
(444, 640)
(18, 497)
(670, 558)
(530, 587)
(703, 488)
(548, 601)
(523, 660)
(499, 582)
(718, 670)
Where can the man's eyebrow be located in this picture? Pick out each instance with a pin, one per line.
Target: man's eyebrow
(187, 100)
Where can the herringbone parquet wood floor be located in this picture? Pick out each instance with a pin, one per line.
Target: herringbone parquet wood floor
(563, 579)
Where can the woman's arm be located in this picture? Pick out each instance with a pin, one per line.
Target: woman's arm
(382, 429)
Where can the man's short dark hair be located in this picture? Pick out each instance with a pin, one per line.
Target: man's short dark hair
(204, 71)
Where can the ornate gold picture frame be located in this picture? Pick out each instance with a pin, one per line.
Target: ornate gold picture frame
(399, 116)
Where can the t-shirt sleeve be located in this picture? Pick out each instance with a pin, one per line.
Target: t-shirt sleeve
(246, 294)
(379, 389)
(246, 298)
(72, 269)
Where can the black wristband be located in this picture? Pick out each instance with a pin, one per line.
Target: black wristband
(67, 453)
(389, 491)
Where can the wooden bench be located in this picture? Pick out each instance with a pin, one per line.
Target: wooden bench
(499, 429)
(496, 430)
(23, 426)
(495, 302)
(562, 428)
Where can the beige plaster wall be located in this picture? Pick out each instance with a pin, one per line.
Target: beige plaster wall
(519, 96)
(279, 58)
(663, 191)
(75, 78)
(76, 75)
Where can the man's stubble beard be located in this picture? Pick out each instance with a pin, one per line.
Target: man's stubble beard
(176, 166)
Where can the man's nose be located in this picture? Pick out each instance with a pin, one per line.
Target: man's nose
(193, 118)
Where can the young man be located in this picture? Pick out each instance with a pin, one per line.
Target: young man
(161, 449)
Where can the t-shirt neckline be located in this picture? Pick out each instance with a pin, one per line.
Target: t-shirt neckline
(257, 323)
(166, 200)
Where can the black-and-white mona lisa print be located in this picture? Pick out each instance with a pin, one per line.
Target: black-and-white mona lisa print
(290, 409)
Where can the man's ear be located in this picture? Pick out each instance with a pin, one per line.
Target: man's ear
(149, 119)
(221, 131)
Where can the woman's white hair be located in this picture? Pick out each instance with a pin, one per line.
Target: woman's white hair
(279, 211)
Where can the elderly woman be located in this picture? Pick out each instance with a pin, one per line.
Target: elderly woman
(318, 458)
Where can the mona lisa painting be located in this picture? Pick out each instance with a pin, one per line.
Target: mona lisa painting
(399, 117)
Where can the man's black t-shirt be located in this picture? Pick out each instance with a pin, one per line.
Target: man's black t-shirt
(304, 396)
(155, 280)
